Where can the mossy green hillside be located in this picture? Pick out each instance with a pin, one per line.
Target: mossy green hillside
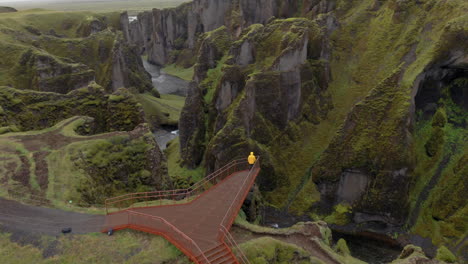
(84, 169)
(181, 72)
(67, 40)
(293, 32)
(122, 247)
(163, 111)
(66, 24)
(440, 173)
(269, 250)
(377, 51)
(115, 166)
(181, 175)
(380, 35)
(30, 110)
(443, 254)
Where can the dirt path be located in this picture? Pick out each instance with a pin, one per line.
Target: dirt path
(15, 216)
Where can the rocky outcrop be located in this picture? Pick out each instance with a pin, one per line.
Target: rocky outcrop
(165, 33)
(191, 127)
(103, 165)
(349, 105)
(414, 255)
(47, 57)
(115, 63)
(44, 72)
(132, 163)
(127, 68)
(240, 108)
(31, 110)
(91, 26)
(6, 9)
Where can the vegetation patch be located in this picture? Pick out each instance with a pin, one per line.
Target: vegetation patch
(183, 73)
(123, 247)
(163, 111)
(29, 110)
(270, 250)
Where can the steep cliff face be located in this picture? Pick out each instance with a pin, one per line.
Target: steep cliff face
(359, 112)
(251, 91)
(168, 34)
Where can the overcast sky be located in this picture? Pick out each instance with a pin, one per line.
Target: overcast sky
(38, 1)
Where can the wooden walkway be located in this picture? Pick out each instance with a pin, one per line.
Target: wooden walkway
(195, 227)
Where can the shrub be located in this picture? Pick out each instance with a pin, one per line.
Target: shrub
(342, 248)
(440, 118)
(444, 254)
(435, 142)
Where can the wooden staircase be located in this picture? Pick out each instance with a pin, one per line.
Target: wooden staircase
(220, 254)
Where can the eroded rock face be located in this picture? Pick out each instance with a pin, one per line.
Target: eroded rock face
(353, 183)
(62, 64)
(389, 152)
(31, 110)
(168, 31)
(127, 68)
(248, 109)
(414, 255)
(191, 122)
(43, 72)
(273, 77)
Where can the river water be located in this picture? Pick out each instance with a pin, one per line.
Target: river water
(165, 84)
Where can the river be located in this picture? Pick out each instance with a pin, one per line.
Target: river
(165, 84)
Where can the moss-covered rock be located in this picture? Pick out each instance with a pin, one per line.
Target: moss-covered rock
(30, 110)
(44, 56)
(412, 254)
(341, 247)
(44, 72)
(444, 254)
(120, 165)
(435, 142)
(59, 165)
(269, 250)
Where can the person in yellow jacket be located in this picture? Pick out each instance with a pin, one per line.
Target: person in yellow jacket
(251, 159)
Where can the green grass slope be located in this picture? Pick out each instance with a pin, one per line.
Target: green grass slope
(124, 247)
(65, 39)
(57, 165)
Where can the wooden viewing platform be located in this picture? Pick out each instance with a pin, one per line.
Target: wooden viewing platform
(196, 220)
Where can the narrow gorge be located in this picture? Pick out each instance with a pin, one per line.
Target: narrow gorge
(357, 109)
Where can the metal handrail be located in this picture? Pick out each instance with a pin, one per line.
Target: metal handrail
(175, 229)
(233, 243)
(225, 218)
(188, 193)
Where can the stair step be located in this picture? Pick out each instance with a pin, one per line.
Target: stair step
(229, 261)
(215, 248)
(211, 252)
(216, 255)
(221, 259)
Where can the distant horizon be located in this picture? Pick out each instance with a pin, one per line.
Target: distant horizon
(134, 6)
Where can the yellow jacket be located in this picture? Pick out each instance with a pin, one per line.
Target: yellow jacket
(251, 158)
